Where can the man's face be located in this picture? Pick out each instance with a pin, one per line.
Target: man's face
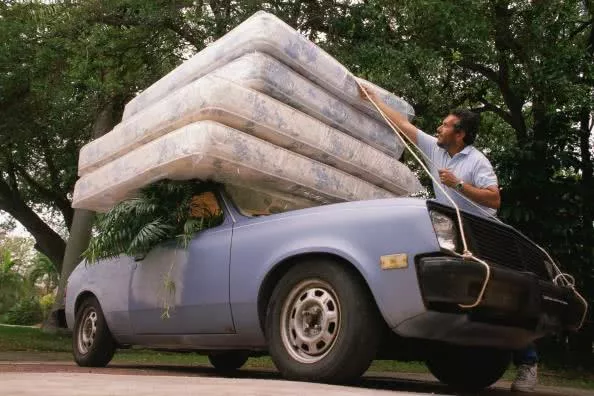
(447, 136)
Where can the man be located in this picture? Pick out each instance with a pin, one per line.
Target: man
(466, 174)
(454, 161)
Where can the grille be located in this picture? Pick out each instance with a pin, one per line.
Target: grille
(499, 244)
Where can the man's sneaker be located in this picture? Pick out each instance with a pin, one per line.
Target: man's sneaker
(526, 378)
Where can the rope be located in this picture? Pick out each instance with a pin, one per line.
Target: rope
(567, 280)
(560, 279)
(466, 253)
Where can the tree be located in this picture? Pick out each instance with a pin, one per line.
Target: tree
(528, 66)
(11, 281)
(42, 270)
(60, 73)
(69, 69)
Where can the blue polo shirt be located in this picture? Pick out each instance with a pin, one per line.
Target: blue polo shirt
(469, 165)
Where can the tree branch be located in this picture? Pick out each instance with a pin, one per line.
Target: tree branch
(51, 167)
(12, 180)
(183, 31)
(581, 28)
(47, 240)
(186, 33)
(488, 106)
(59, 199)
(490, 74)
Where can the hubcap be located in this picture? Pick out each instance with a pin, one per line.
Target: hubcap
(87, 331)
(310, 321)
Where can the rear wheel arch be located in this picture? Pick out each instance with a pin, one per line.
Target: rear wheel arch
(282, 267)
(82, 297)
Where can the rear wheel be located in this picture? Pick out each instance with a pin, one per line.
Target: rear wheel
(228, 361)
(92, 342)
(322, 323)
(468, 369)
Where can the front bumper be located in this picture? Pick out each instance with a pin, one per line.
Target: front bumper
(512, 299)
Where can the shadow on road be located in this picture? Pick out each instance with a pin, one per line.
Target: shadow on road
(391, 382)
(397, 382)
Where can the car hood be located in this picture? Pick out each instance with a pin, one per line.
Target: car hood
(375, 204)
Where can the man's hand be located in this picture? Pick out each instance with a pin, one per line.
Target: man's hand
(448, 178)
(488, 196)
(395, 117)
(364, 91)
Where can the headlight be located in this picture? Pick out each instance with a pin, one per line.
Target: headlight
(445, 229)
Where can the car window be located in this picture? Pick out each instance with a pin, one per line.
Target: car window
(258, 203)
(206, 206)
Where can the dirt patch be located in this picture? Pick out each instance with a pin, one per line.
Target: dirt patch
(34, 356)
(65, 367)
(129, 369)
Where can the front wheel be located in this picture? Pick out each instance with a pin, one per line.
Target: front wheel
(92, 343)
(322, 323)
(468, 369)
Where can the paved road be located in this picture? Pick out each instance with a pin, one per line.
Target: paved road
(65, 379)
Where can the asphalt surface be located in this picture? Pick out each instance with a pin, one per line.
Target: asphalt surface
(66, 379)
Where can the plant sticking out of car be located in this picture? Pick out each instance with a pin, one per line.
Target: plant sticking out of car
(163, 211)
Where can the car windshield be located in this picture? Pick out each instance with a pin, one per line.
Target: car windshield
(258, 203)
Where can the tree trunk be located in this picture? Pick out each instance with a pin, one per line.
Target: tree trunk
(80, 232)
(582, 341)
(587, 191)
(47, 240)
(587, 160)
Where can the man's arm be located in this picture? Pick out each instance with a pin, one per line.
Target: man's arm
(488, 196)
(395, 117)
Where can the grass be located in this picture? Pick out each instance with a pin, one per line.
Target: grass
(18, 339)
(33, 340)
(27, 343)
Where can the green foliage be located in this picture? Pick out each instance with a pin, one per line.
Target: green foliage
(22, 339)
(26, 312)
(16, 260)
(160, 212)
(43, 270)
(46, 303)
(21, 249)
(12, 285)
(527, 66)
(62, 64)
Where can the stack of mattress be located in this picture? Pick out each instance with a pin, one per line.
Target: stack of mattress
(262, 108)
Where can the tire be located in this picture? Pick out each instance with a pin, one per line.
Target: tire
(468, 369)
(322, 324)
(92, 342)
(226, 362)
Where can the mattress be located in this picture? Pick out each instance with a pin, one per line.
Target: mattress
(266, 74)
(216, 99)
(208, 150)
(266, 33)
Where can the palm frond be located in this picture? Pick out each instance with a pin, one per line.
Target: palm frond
(191, 226)
(160, 212)
(149, 236)
(43, 270)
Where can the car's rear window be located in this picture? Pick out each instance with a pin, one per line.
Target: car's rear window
(258, 203)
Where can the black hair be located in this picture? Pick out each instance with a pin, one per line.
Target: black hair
(468, 121)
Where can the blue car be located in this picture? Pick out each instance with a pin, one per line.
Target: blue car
(325, 290)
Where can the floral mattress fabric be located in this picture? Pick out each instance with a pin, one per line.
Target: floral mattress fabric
(263, 108)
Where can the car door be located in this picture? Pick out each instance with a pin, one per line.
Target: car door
(185, 291)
